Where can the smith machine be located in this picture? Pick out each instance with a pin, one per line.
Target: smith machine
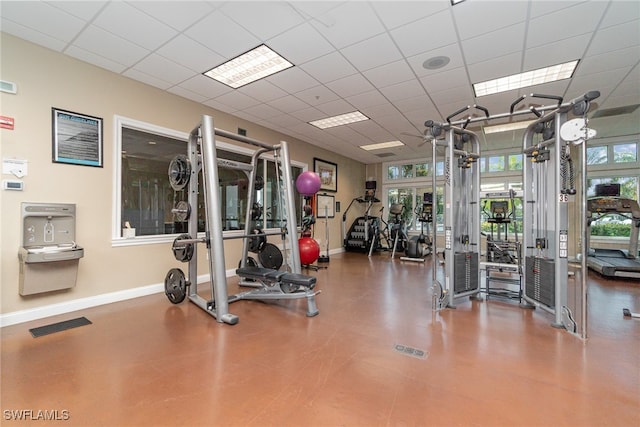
(270, 283)
(554, 249)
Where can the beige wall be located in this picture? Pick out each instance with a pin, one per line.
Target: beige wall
(47, 79)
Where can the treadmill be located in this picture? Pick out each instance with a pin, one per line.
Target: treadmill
(614, 262)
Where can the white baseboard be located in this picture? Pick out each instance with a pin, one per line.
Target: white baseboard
(36, 313)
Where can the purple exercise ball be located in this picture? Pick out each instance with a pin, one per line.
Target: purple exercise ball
(308, 183)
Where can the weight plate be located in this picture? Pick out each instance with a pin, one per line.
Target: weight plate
(179, 172)
(182, 211)
(183, 252)
(175, 286)
(289, 288)
(270, 256)
(257, 242)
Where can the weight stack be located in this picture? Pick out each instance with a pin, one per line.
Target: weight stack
(540, 282)
(466, 272)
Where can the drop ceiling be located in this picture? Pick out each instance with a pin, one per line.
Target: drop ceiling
(371, 56)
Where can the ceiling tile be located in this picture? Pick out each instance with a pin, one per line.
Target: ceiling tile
(237, 100)
(289, 104)
(372, 130)
(579, 19)
(607, 81)
(495, 68)
(610, 60)
(94, 59)
(474, 18)
(619, 12)
(367, 99)
(173, 13)
(41, 17)
(34, 36)
(220, 34)
(105, 44)
(494, 44)
(329, 67)
(360, 54)
(263, 111)
(190, 54)
(380, 110)
(264, 19)
(410, 104)
(539, 8)
(461, 94)
(262, 90)
(350, 85)
(389, 74)
(293, 80)
(408, 89)
(185, 93)
(333, 108)
(418, 36)
(451, 51)
(555, 53)
(618, 37)
(396, 13)
(308, 114)
(316, 95)
(86, 10)
(159, 66)
(446, 80)
(284, 120)
(300, 44)
(134, 25)
(337, 25)
(205, 86)
(146, 78)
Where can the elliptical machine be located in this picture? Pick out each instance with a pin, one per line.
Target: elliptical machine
(398, 229)
(420, 246)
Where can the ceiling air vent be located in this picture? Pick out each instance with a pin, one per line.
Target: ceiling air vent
(617, 111)
(385, 155)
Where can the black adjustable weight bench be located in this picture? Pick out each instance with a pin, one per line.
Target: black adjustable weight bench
(280, 285)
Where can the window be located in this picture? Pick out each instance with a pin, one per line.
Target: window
(623, 153)
(496, 164)
(422, 170)
(515, 162)
(614, 225)
(596, 155)
(145, 197)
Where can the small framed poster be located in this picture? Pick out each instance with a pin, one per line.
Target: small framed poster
(328, 174)
(325, 206)
(77, 138)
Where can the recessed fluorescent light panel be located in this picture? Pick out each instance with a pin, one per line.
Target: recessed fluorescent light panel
(530, 78)
(506, 127)
(381, 145)
(249, 67)
(342, 119)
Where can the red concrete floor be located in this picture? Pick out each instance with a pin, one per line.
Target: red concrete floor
(146, 362)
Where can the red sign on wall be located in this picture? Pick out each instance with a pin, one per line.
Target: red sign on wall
(6, 122)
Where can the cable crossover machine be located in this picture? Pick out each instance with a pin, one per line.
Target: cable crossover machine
(553, 248)
(269, 283)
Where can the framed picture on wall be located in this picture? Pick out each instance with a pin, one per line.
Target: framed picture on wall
(325, 206)
(328, 174)
(77, 138)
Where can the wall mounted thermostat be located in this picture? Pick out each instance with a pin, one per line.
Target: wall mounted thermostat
(9, 184)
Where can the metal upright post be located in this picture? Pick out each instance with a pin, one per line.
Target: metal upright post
(215, 244)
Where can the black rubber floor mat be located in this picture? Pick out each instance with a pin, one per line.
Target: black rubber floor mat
(58, 327)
